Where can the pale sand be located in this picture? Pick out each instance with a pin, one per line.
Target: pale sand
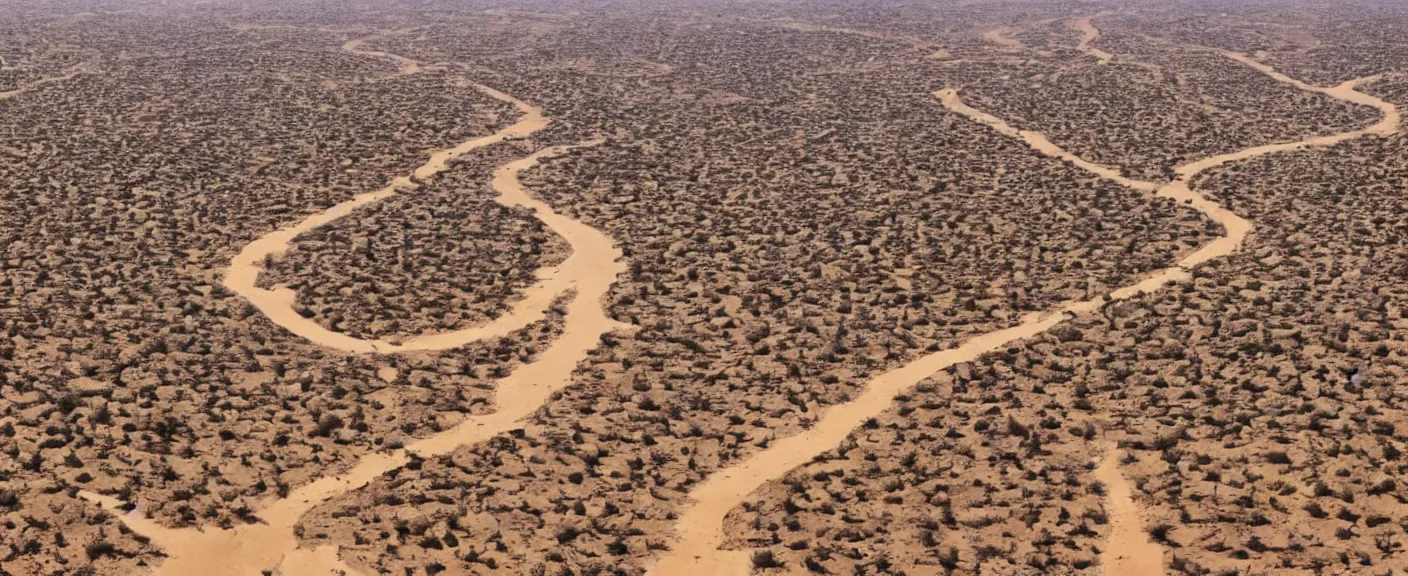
(1038, 141)
(67, 75)
(938, 52)
(1088, 34)
(999, 36)
(408, 66)
(700, 527)
(1129, 552)
(248, 549)
(590, 271)
(278, 303)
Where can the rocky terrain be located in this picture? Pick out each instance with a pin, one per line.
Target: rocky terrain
(1154, 105)
(1240, 402)
(796, 213)
(437, 259)
(1233, 395)
(126, 367)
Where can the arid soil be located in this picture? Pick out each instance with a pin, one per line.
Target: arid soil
(128, 369)
(408, 281)
(674, 288)
(1126, 549)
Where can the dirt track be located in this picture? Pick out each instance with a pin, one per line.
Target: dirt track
(67, 75)
(696, 550)
(589, 272)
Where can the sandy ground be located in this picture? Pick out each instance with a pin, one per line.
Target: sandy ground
(256, 547)
(1129, 551)
(1000, 37)
(408, 66)
(589, 272)
(1212, 93)
(701, 526)
(67, 75)
(272, 545)
(278, 303)
(1088, 34)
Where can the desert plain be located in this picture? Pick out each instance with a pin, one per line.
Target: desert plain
(703, 287)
